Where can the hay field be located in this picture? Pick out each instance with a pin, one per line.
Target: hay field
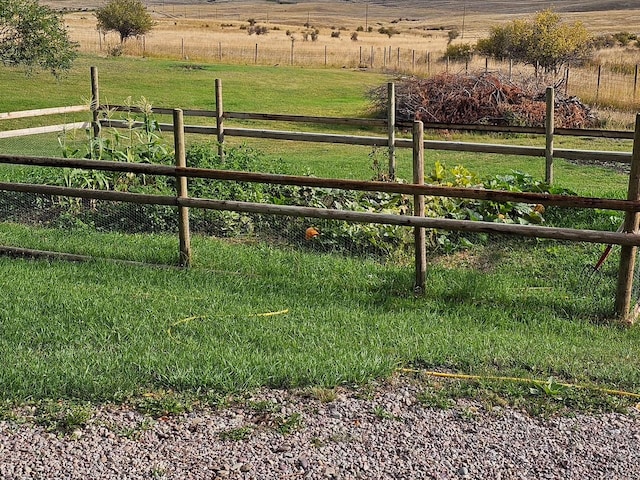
(422, 26)
(348, 37)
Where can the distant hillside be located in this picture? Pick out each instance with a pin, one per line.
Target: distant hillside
(509, 7)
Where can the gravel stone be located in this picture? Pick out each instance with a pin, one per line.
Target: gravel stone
(343, 439)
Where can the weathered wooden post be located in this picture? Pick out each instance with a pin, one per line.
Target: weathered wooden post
(219, 119)
(549, 130)
(419, 207)
(95, 102)
(183, 212)
(391, 128)
(292, 42)
(628, 253)
(598, 82)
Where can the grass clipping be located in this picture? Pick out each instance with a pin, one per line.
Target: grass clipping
(486, 98)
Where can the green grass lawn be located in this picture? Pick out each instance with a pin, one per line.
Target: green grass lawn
(250, 314)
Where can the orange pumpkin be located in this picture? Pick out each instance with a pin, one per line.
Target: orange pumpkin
(311, 233)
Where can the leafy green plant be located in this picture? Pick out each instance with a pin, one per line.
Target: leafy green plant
(264, 406)
(288, 424)
(161, 404)
(482, 210)
(236, 434)
(382, 413)
(63, 416)
(550, 388)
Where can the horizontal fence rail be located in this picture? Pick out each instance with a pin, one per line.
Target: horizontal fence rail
(547, 199)
(532, 231)
(43, 112)
(569, 154)
(65, 127)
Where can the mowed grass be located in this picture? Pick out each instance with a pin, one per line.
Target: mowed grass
(248, 315)
(251, 314)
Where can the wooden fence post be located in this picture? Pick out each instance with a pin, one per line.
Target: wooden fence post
(183, 212)
(631, 221)
(95, 102)
(220, 119)
(419, 208)
(635, 83)
(391, 128)
(549, 129)
(292, 42)
(598, 82)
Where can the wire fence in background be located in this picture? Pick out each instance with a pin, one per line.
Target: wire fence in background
(598, 84)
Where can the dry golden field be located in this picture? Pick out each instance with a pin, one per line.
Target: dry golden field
(217, 31)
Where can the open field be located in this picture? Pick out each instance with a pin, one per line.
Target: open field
(346, 36)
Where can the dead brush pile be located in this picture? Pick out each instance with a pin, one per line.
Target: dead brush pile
(486, 98)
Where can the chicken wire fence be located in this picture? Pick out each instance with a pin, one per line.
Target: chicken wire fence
(481, 270)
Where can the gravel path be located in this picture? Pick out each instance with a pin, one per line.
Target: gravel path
(385, 434)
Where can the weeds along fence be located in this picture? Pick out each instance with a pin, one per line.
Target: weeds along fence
(180, 199)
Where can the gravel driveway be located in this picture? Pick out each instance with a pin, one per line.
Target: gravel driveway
(274, 434)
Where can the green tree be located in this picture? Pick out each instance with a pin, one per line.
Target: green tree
(34, 36)
(545, 41)
(129, 18)
(459, 52)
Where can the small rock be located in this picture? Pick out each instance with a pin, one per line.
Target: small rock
(245, 467)
(330, 472)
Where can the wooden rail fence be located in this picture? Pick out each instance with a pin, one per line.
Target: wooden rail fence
(629, 238)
